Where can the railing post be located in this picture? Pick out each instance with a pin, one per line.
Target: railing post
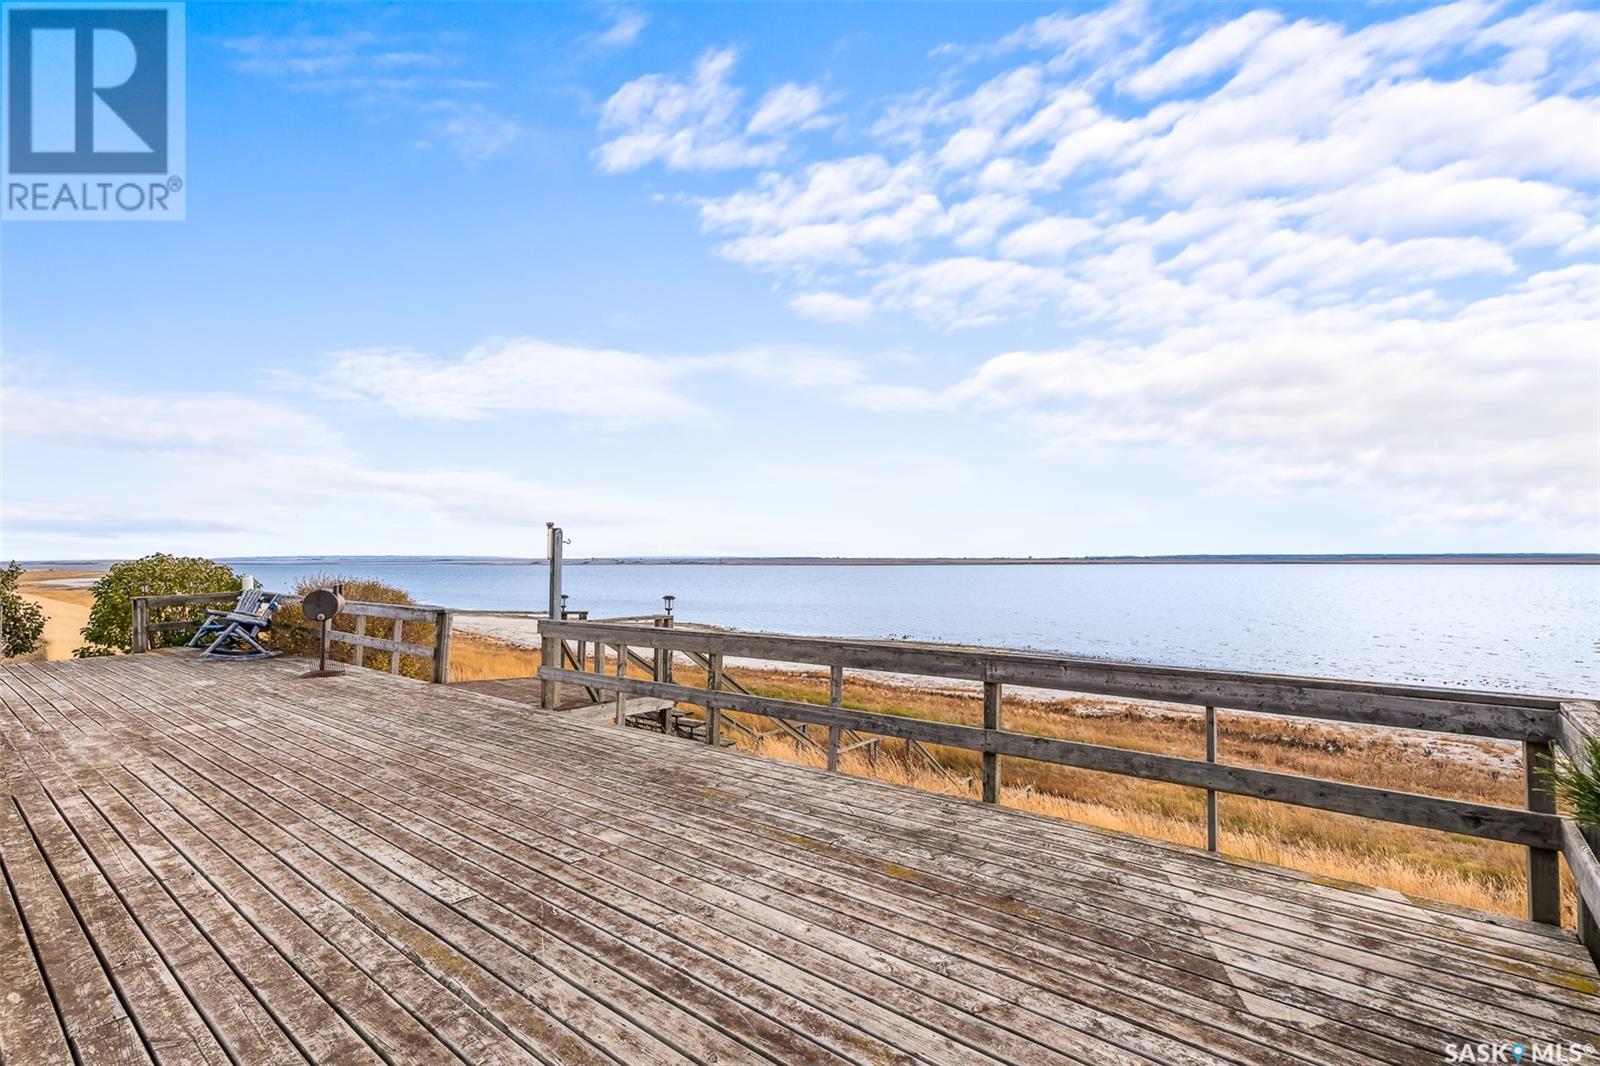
(357, 652)
(991, 760)
(1211, 793)
(141, 622)
(714, 713)
(441, 648)
(835, 699)
(394, 656)
(1544, 864)
(622, 671)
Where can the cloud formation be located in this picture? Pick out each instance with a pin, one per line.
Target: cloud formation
(411, 75)
(696, 122)
(1318, 253)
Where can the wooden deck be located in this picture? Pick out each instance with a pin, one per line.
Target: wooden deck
(222, 862)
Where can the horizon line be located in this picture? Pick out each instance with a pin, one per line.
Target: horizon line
(1548, 558)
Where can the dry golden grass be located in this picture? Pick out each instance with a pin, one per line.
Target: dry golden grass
(475, 658)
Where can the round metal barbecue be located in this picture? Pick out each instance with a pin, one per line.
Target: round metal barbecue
(320, 606)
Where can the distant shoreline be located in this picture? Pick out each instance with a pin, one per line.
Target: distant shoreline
(1434, 559)
(1577, 559)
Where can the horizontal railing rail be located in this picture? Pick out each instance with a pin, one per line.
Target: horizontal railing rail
(1534, 721)
(438, 651)
(1483, 714)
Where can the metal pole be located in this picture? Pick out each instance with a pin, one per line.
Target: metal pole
(549, 646)
(555, 571)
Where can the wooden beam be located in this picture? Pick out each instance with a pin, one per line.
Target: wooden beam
(1544, 864)
(1578, 724)
(141, 622)
(1579, 853)
(361, 640)
(394, 656)
(1528, 828)
(189, 599)
(622, 670)
(713, 712)
(991, 760)
(1211, 793)
(835, 699)
(441, 649)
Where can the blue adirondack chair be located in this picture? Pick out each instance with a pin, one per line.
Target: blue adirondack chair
(232, 633)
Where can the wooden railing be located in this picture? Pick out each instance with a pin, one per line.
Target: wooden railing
(1534, 721)
(395, 644)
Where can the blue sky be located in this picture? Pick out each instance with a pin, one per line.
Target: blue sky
(834, 279)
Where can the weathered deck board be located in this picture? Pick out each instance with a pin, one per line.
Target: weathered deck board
(222, 862)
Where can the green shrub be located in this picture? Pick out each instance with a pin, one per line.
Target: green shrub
(291, 632)
(1580, 787)
(21, 621)
(110, 628)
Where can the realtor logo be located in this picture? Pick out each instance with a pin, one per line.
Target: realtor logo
(93, 111)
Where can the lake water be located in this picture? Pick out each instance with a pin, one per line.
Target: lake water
(1523, 628)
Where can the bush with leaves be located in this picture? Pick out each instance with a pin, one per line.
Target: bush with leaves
(110, 628)
(292, 633)
(1579, 785)
(21, 621)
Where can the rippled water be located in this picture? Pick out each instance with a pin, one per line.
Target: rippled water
(1526, 628)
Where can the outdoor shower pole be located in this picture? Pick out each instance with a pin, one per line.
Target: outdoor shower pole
(550, 647)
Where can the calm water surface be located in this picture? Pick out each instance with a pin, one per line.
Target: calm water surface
(1526, 628)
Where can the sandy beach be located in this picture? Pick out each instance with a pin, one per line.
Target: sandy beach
(64, 597)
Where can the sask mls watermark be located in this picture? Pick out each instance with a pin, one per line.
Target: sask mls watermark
(93, 112)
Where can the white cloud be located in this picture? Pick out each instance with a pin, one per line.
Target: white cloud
(831, 307)
(788, 107)
(232, 456)
(522, 375)
(475, 133)
(221, 423)
(626, 25)
(693, 124)
(827, 213)
(969, 290)
(1048, 238)
(1437, 411)
(1214, 51)
(385, 74)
